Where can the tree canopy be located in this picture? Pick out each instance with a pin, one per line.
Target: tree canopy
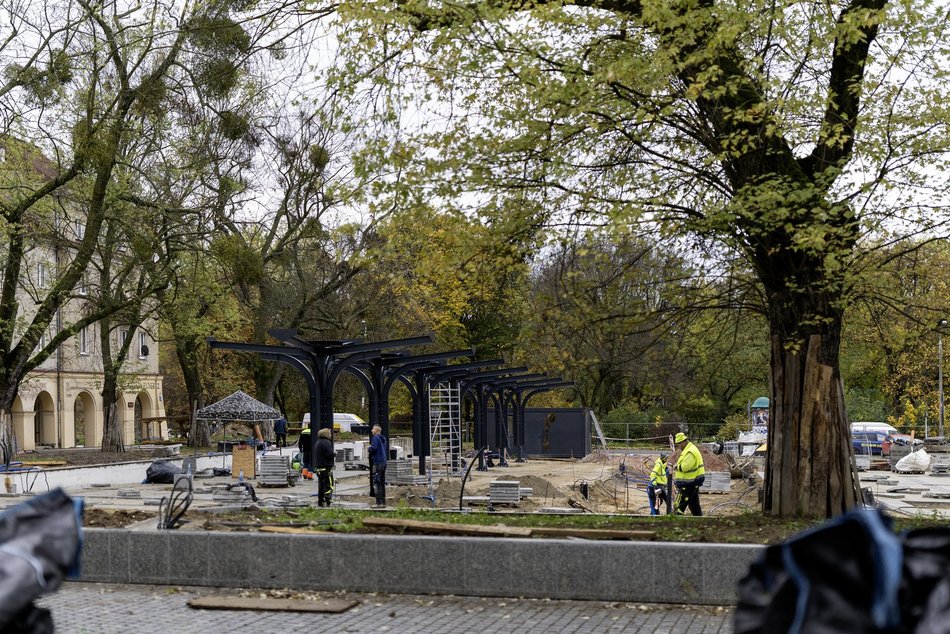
(787, 134)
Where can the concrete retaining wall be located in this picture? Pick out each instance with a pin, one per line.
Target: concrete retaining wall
(115, 474)
(560, 569)
(118, 474)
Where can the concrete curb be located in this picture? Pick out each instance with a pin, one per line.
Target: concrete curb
(660, 572)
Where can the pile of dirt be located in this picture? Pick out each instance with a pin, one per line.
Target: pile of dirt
(415, 496)
(448, 489)
(541, 489)
(712, 462)
(110, 518)
(597, 455)
(643, 465)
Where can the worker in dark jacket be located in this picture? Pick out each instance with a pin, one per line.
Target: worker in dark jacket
(324, 464)
(378, 453)
(306, 446)
(280, 432)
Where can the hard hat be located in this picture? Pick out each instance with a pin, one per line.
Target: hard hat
(680, 437)
(663, 457)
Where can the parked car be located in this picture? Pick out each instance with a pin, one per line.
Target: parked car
(875, 443)
(341, 421)
(905, 439)
(872, 426)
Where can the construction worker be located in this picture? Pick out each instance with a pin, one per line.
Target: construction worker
(280, 432)
(306, 446)
(378, 450)
(324, 457)
(657, 486)
(689, 475)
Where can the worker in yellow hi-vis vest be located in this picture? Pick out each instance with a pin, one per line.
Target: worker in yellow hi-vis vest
(657, 489)
(689, 475)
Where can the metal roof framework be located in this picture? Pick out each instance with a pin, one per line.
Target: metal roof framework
(320, 363)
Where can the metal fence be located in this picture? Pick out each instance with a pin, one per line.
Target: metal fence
(659, 432)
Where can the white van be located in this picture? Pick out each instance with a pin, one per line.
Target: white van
(870, 426)
(341, 421)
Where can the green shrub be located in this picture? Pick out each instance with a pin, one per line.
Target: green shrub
(627, 421)
(733, 425)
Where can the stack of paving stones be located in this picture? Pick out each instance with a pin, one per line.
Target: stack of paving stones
(345, 454)
(939, 451)
(717, 482)
(504, 492)
(275, 470)
(129, 493)
(289, 501)
(400, 472)
(940, 464)
(239, 496)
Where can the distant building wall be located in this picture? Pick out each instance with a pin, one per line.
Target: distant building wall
(65, 409)
(59, 403)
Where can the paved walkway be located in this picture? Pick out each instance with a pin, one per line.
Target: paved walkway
(87, 608)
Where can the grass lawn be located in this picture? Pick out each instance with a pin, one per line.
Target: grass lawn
(750, 528)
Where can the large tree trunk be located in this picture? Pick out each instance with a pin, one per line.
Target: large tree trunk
(8, 441)
(8, 446)
(200, 431)
(199, 434)
(111, 433)
(801, 264)
(810, 467)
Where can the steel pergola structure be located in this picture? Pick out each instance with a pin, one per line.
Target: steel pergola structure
(321, 363)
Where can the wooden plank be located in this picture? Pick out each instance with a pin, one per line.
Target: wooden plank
(448, 528)
(333, 606)
(593, 533)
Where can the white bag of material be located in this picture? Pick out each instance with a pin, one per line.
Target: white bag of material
(916, 461)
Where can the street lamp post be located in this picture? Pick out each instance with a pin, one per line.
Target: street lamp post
(940, 326)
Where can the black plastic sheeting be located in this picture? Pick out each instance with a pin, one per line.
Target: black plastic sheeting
(853, 574)
(40, 543)
(162, 472)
